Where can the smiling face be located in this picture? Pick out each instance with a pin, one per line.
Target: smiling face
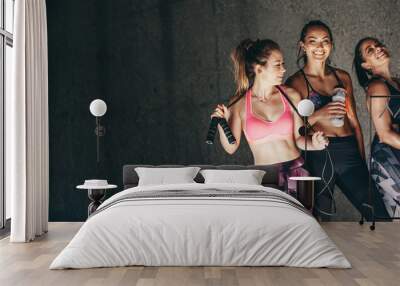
(317, 44)
(274, 70)
(375, 55)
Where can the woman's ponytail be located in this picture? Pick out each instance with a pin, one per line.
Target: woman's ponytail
(238, 57)
(246, 55)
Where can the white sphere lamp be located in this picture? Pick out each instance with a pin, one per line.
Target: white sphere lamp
(306, 107)
(98, 107)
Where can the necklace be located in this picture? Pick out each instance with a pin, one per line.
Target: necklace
(263, 98)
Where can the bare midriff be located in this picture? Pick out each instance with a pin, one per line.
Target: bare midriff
(332, 131)
(274, 151)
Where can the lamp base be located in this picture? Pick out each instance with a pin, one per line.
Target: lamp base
(96, 197)
(100, 130)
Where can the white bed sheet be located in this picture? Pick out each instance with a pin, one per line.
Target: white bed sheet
(200, 231)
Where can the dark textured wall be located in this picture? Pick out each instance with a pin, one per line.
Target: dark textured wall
(161, 66)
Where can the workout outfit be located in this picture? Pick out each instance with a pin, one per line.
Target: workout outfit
(257, 129)
(348, 170)
(385, 160)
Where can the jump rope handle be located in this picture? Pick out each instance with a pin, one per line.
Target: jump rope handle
(212, 130)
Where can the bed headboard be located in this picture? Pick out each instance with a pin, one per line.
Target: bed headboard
(130, 178)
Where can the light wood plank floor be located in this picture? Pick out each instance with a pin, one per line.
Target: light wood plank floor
(375, 256)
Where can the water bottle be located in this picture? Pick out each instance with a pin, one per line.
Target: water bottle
(339, 94)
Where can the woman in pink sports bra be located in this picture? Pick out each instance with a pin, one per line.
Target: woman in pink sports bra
(263, 112)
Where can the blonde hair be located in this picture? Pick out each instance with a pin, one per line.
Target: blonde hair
(244, 57)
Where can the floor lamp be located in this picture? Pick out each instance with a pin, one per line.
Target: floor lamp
(98, 108)
(306, 109)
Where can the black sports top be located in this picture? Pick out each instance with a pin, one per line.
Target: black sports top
(394, 102)
(318, 99)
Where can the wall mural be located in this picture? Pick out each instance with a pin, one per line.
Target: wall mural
(246, 72)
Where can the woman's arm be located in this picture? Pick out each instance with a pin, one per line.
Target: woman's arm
(381, 116)
(232, 116)
(352, 113)
(315, 142)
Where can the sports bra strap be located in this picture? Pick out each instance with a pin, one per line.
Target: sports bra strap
(309, 86)
(248, 102)
(340, 82)
(288, 99)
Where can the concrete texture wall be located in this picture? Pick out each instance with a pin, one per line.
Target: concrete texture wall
(161, 66)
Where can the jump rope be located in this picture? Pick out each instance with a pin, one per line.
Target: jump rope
(232, 140)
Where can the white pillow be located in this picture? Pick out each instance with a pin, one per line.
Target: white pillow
(162, 176)
(248, 177)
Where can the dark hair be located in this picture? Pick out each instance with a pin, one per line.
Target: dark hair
(245, 56)
(314, 23)
(363, 75)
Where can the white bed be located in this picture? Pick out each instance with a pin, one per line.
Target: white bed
(268, 228)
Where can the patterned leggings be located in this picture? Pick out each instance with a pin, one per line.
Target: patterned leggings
(385, 171)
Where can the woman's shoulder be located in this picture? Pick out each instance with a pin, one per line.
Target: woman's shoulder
(291, 92)
(237, 101)
(295, 79)
(377, 85)
(342, 74)
(298, 83)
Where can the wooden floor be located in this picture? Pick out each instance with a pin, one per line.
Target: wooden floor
(374, 255)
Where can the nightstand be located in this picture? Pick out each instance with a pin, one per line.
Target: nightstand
(96, 192)
(305, 187)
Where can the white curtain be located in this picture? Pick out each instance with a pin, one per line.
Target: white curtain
(27, 146)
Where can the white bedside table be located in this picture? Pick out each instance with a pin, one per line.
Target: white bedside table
(305, 187)
(96, 192)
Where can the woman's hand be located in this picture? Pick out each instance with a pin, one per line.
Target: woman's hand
(319, 141)
(332, 109)
(221, 111)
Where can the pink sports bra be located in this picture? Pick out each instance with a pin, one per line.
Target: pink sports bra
(256, 128)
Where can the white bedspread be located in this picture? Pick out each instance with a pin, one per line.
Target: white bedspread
(200, 231)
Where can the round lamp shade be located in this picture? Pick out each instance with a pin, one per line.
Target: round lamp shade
(98, 107)
(306, 107)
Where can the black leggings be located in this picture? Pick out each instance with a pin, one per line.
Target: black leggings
(349, 172)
